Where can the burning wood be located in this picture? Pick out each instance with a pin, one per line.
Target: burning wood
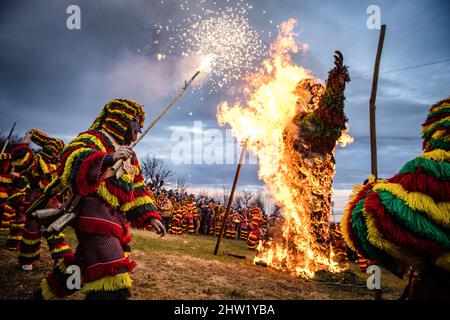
(293, 124)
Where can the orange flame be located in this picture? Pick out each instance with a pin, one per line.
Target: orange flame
(270, 107)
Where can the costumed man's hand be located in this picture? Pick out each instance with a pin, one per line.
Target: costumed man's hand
(159, 226)
(122, 153)
(27, 138)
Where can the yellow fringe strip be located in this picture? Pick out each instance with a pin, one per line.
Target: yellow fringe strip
(8, 216)
(20, 162)
(438, 212)
(345, 220)
(110, 283)
(93, 139)
(428, 127)
(376, 239)
(104, 193)
(43, 165)
(443, 261)
(63, 248)
(437, 155)
(6, 180)
(30, 255)
(139, 201)
(31, 242)
(442, 106)
(441, 134)
(58, 236)
(15, 237)
(47, 293)
(127, 177)
(69, 165)
(138, 184)
(118, 124)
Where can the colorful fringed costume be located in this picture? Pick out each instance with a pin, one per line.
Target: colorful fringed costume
(405, 220)
(231, 223)
(13, 189)
(256, 222)
(190, 215)
(175, 221)
(218, 217)
(244, 227)
(39, 168)
(108, 205)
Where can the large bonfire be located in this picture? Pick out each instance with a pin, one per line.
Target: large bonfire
(293, 124)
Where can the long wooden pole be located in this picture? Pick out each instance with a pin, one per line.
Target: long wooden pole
(373, 129)
(8, 138)
(230, 199)
(373, 96)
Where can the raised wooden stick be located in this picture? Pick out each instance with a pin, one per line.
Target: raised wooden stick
(8, 138)
(230, 199)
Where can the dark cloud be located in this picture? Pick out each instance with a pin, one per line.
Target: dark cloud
(58, 80)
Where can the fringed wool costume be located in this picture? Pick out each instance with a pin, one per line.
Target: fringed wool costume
(108, 205)
(244, 227)
(175, 221)
(405, 220)
(13, 189)
(39, 168)
(190, 216)
(255, 225)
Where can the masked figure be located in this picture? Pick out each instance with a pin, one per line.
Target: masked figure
(109, 202)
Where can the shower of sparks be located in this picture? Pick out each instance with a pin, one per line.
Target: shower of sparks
(221, 38)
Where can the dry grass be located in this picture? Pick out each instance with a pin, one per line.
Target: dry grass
(184, 267)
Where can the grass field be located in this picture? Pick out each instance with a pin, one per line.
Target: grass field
(184, 267)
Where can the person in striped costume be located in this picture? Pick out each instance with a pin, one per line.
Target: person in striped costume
(404, 222)
(13, 189)
(218, 219)
(212, 221)
(110, 203)
(190, 211)
(175, 222)
(255, 226)
(39, 168)
(244, 228)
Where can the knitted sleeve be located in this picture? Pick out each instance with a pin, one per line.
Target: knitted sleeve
(142, 208)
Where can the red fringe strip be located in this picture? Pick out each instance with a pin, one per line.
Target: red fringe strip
(64, 157)
(27, 235)
(396, 234)
(103, 227)
(84, 187)
(101, 270)
(352, 206)
(439, 190)
(143, 220)
(121, 194)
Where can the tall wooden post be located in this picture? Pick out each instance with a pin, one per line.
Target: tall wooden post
(373, 129)
(230, 199)
(373, 96)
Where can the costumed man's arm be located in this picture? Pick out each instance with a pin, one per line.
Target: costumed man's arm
(142, 211)
(22, 155)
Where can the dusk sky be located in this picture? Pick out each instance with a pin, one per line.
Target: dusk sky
(58, 80)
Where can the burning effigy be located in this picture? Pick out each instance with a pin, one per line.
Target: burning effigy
(404, 221)
(292, 123)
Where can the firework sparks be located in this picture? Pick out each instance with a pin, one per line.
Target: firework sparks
(228, 47)
(266, 123)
